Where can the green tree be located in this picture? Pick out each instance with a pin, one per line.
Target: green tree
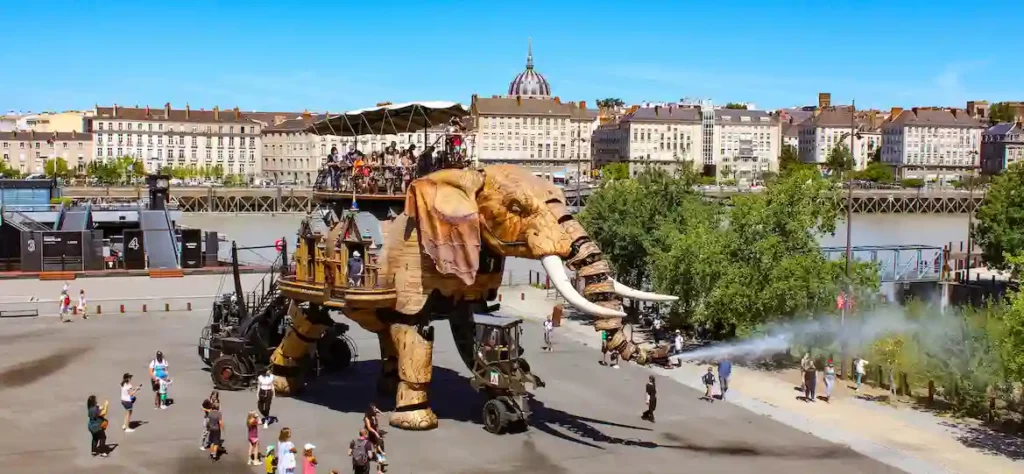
(839, 159)
(1012, 341)
(788, 158)
(7, 172)
(610, 103)
(876, 172)
(105, 173)
(57, 168)
(1001, 112)
(999, 227)
(735, 106)
(615, 171)
(876, 156)
(217, 172)
(913, 183)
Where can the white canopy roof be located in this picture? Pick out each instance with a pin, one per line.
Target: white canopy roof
(390, 119)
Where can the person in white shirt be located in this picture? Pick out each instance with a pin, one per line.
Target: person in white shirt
(549, 326)
(657, 330)
(285, 452)
(82, 304)
(128, 400)
(678, 342)
(265, 395)
(859, 370)
(157, 371)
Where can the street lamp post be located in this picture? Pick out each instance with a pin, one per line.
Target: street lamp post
(970, 218)
(849, 235)
(579, 169)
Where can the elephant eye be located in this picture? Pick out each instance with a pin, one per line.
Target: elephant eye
(516, 207)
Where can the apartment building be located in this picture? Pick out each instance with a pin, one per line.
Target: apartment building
(747, 143)
(548, 136)
(28, 151)
(829, 127)
(180, 137)
(662, 137)
(931, 143)
(1002, 145)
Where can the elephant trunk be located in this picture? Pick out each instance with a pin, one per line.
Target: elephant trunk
(599, 289)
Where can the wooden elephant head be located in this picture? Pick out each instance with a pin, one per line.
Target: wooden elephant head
(451, 214)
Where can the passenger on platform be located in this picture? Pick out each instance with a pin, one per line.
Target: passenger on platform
(425, 162)
(353, 155)
(334, 168)
(391, 154)
(355, 269)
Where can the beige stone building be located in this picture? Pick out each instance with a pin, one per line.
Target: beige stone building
(28, 151)
(48, 122)
(832, 126)
(529, 127)
(932, 143)
(180, 137)
(747, 144)
(664, 137)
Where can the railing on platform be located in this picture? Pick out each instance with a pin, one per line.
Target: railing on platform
(897, 263)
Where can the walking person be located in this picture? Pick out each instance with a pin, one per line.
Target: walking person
(65, 307)
(360, 450)
(549, 326)
(82, 307)
(830, 380)
(373, 431)
(157, 370)
(810, 377)
(252, 426)
(97, 426)
(285, 452)
(677, 342)
(709, 381)
(308, 459)
(165, 384)
(604, 347)
(264, 396)
(859, 370)
(215, 427)
(128, 400)
(651, 399)
(204, 442)
(724, 371)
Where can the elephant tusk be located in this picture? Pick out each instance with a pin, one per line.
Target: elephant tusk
(556, 271)
(633, 294)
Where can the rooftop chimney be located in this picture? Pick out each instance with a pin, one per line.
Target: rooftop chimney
(583, 104)
(895, 112)
(115, 110)
(558, 100)
(187, 111)
(216, 112)
(519, 100)
(238, 114)
(147, 111)
(167, 110)
(657, 108)
(914, 109)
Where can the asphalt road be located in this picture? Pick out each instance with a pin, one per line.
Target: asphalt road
(587, 418)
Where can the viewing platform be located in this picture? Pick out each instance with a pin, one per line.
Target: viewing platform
(267, 200)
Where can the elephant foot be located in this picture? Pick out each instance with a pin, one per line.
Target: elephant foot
(286, 386)
(422, 419)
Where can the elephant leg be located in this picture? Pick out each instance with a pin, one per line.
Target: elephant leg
(308, 326)
(415, 352)
(387, 384)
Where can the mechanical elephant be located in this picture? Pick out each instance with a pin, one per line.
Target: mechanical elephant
(445, 255)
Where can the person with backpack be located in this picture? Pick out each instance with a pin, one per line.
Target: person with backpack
(360, 450)
(97, 426)
(215, 426)
(709, 382)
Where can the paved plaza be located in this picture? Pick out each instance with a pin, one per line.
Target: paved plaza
(587, 418)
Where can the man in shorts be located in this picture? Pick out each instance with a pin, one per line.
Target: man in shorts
(361, 451)
(215, 425)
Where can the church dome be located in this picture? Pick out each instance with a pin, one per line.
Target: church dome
(529, 83)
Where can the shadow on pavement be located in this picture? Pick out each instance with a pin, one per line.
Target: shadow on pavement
(743, 449)
(31, 371)
(989, 440)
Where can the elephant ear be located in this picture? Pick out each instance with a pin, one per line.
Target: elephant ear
(444, 206)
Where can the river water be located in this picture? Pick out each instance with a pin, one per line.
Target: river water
(868, 229)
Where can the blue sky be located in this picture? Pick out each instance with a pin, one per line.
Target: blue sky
(344, 55)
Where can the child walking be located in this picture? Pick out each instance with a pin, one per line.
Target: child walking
(82, 304)
(252, 424)
(308, 459)
(709, 382)
(164, 384)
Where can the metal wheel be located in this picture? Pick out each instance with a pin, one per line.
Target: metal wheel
(335, 353)
(226, 373)
(495, 416)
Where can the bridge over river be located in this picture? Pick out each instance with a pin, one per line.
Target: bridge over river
(302, 200)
